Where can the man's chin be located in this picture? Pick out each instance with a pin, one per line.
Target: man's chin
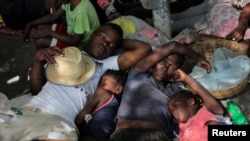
(97, 54)
(99, 57)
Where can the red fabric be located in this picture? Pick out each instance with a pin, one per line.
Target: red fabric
(106, 103)
(61, 29)
(196, 129)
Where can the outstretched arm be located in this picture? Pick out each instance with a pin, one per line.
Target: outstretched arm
(135, 50)
(37, 75)
(239, 32)
(165, 50)
(96, 100)
(43, 20)
(209, 101)
(73, 40)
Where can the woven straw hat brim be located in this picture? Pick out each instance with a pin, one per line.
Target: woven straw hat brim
(83, 73)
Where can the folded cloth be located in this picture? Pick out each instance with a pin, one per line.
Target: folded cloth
(24, 123)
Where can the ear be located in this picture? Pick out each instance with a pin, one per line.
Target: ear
(119, 89)
(191, 101)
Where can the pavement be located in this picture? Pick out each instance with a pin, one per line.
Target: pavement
(16, 57)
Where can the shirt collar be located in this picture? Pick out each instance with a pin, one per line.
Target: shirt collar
(96, 60)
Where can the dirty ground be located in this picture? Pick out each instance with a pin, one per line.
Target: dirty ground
(16, 57)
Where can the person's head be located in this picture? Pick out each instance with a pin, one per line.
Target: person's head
(104, 41)
(104, 4)
(183, 105)
(113, 81)
(164, 70)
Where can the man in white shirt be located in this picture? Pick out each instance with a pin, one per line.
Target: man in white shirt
(52, 111)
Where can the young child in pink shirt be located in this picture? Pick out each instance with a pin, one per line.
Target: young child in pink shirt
(192, 116)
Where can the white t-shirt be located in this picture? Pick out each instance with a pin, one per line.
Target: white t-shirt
(67, 101)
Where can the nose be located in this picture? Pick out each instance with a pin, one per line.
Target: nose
(107, 44)
(166, 66)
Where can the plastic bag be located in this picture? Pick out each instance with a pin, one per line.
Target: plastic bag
(228, 69)
(4, 101)
(135, 28)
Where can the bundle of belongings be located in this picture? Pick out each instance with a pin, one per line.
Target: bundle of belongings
(228, 70)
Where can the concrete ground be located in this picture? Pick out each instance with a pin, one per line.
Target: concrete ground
(16, 57)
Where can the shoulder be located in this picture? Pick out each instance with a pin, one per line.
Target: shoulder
(103, 94)
(137, 74)
(107, 63)
(206, 115)
(110, 62)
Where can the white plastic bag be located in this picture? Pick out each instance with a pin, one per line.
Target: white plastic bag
(4, 101)
(228, 69)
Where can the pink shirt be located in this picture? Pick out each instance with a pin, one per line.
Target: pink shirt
(196, 129)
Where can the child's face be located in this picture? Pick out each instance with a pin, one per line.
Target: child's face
(109, 83)
(103, 3)
(180, 110)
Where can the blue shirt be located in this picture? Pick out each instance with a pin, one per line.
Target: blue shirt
(145, 99)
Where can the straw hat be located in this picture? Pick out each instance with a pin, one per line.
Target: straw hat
(73, 68)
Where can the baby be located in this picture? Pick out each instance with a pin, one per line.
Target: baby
(96, 121)
(192, 116)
